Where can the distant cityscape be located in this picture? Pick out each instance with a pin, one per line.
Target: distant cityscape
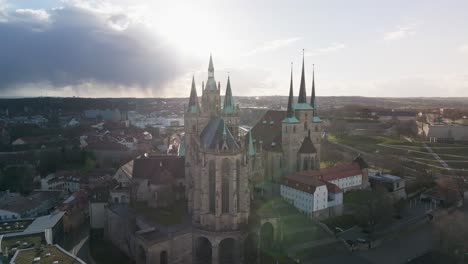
(228, 179)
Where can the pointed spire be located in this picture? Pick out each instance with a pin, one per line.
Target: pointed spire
(229, 106)
(211, 83)
(193, 106)
(302, 91)
(291, 97)
(251, 146)
(210, 66)
(312, 98)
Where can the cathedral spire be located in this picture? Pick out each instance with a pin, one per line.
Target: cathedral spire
(312, 98)
(193, 106)
(313, 101)
(302, 91)
(229, 106)
(291, 97)
(211, 83)
(290, 117)
(210, 68)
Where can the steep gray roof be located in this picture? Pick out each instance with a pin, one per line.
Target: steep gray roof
(216, 133)
(307, 147)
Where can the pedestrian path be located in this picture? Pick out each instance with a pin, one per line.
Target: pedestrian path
(436, 156)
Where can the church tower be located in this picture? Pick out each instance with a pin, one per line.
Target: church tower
(211, 98)
(217, 172)
(230, 111)
(290, 135)
(316, 127)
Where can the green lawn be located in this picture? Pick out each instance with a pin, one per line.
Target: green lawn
(50, 254)
(31, 241)
(395, 146)
(366, 143)
(297, 227)
(165, 216)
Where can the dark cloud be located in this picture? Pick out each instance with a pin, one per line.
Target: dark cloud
(71, 46)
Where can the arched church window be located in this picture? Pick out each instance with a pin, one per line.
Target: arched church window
(316, 128)
(225, 171)
(305, 126)
(294, 129)
(194, 128)
(212, 185)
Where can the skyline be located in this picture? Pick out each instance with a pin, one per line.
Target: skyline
(136, 49)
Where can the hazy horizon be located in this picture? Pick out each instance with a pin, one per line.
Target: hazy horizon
(99, 48)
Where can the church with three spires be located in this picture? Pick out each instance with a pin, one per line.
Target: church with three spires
(219, 170)
(222, 169)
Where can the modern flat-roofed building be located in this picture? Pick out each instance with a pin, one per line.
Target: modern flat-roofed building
(394, 184)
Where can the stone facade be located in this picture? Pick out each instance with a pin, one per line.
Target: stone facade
(221, 171)
(290, 141)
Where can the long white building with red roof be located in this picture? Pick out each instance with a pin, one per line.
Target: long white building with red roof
(314, 191)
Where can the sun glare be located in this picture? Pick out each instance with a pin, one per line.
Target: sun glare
(189, 30)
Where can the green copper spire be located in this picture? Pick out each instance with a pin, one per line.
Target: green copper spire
(313, 102)
(251, 146)
(290, 117)
(312, 98)
(302, 91)
(229, 106)
(193, 106)
(291, 97)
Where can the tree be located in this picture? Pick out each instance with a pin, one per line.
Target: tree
(373, 207)
(17, 179)
(453, 234)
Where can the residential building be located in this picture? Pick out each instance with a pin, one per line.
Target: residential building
(311, 195)
(346, 176)
(393, 184)
(447, 133)
(15, 206)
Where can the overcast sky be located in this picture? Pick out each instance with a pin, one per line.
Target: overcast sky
(98, 48)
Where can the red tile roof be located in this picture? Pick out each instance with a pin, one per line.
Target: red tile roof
(303, 183)
(334, 173)
(332, 188)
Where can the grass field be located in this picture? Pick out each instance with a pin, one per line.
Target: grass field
(456, 155)
(297, 228)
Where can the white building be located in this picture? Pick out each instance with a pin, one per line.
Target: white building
(310, 195)
(64, 180)
(347, 176)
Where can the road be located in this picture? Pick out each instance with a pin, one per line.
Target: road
(406, 246)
